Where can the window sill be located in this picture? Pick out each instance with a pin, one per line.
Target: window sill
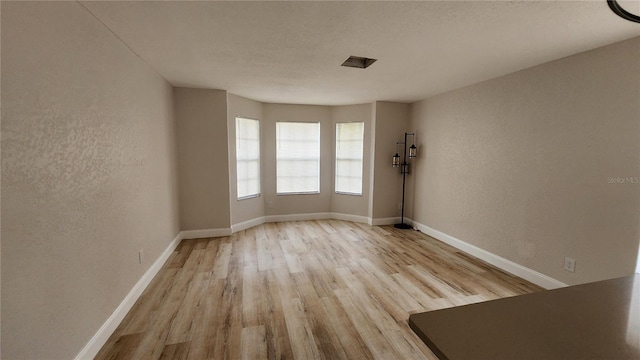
(248, 197)
(346, 193)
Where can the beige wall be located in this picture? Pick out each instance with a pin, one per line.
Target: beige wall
(0, 188)
(327, 200)
(203, 164)
(391, 122)
(246, 209)
(519, 165)
(93, 141)
(88, 176)
(296, 204)
(352, 204)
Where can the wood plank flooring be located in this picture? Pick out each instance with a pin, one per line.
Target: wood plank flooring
(323, 289)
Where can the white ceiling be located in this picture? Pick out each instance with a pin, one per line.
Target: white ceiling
(290, 52)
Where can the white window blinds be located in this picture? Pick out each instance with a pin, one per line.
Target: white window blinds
(349, 154)
(248, 157)
(297, 157)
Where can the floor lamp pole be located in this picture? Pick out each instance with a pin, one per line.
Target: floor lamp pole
(404, 169)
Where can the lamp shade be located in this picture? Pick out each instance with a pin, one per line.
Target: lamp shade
(396, 160)
(413, 151)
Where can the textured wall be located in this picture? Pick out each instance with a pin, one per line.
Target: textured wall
(203, 164)
(253, 208)
(0, 187)
(391, 122)
(296, 204)
(88, 176)
(353, 204)
(520, 165)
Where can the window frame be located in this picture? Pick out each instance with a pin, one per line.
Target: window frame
(259, 160)
(319, 158)
(335, 177)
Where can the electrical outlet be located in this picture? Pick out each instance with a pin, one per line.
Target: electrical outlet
(400, 206)
(569, 264)
(269, 204)
(140, 257)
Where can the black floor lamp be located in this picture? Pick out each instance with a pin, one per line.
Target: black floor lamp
(404, 170)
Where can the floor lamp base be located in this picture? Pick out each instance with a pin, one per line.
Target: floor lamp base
(403, 226)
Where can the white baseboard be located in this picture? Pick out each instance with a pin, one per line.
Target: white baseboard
(297, 217)
(205, 233)
(100, 338)
(102, 335)
(315, 216)
(247, 224)
(493, 259)
(386, 221)
(349, 217)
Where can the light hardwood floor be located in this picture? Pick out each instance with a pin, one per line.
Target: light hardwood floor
(306, 290)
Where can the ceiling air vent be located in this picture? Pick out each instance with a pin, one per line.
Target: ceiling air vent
(358, 62)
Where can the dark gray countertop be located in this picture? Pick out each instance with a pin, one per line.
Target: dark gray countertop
(599, 320)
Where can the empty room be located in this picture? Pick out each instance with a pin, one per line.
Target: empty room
(320, 180)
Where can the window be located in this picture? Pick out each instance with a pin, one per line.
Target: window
(297, 157)
(248, 157)
(349, 151)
